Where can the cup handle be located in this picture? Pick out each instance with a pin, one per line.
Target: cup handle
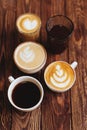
(74, 64)
(11, 79)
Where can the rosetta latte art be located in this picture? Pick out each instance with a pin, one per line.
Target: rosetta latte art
(60, 78)
(27, 55)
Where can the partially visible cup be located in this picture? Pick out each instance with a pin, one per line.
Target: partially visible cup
(60, 76)
(25, 93)
(28, 26)
(58, 28)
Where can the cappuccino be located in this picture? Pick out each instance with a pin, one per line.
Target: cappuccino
(28, 26)
(30, 57)
(59, 76)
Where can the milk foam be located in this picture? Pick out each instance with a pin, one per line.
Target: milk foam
(60, 77)
(27, 55)
(29, 25)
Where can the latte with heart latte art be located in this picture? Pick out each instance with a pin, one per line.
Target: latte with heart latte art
(59, 76)
(28, 26)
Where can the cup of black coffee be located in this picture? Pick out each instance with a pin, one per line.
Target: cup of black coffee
(58, 28)
(25, 93)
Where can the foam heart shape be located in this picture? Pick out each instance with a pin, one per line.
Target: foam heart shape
(29, 25)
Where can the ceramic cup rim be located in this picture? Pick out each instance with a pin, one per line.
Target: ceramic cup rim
(20, 80)
(58, 90)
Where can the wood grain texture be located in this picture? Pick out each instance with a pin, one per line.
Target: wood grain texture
(55, 107)
(58, 111)
(78, 51)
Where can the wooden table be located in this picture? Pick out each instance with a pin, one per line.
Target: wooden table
(58, 111)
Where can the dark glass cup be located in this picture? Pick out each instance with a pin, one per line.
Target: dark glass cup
(59, 29)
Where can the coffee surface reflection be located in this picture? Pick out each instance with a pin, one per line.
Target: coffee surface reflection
(26, 95)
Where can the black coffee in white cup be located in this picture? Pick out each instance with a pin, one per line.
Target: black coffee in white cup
(25, 93)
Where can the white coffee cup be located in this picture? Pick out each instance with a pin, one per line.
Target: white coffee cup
(60, 76)
(22, 79)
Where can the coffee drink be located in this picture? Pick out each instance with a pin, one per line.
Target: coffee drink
(28, 26)
(59, 32)
(59, 29)
(26, 95)
(30, 57)
(59, 76)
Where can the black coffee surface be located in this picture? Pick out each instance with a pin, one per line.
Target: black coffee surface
(26, 95)
(58, 39)
(59, 32)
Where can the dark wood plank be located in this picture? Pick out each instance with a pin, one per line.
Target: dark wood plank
(78, 52)
(4, 113)
(56, 113)
(2, 52)
(30, 120)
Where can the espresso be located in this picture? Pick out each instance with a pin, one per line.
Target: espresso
(59, 76)
(59, 32)
(57, 38)
(26, 95)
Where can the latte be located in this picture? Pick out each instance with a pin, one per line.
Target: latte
(30, 57)
(28, 26)
(59, 76)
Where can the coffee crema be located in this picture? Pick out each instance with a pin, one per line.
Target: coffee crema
(59, 75)
(28, 23)
(28, 26)
(30, 56)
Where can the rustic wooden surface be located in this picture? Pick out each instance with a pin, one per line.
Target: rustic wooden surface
(58, 111)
